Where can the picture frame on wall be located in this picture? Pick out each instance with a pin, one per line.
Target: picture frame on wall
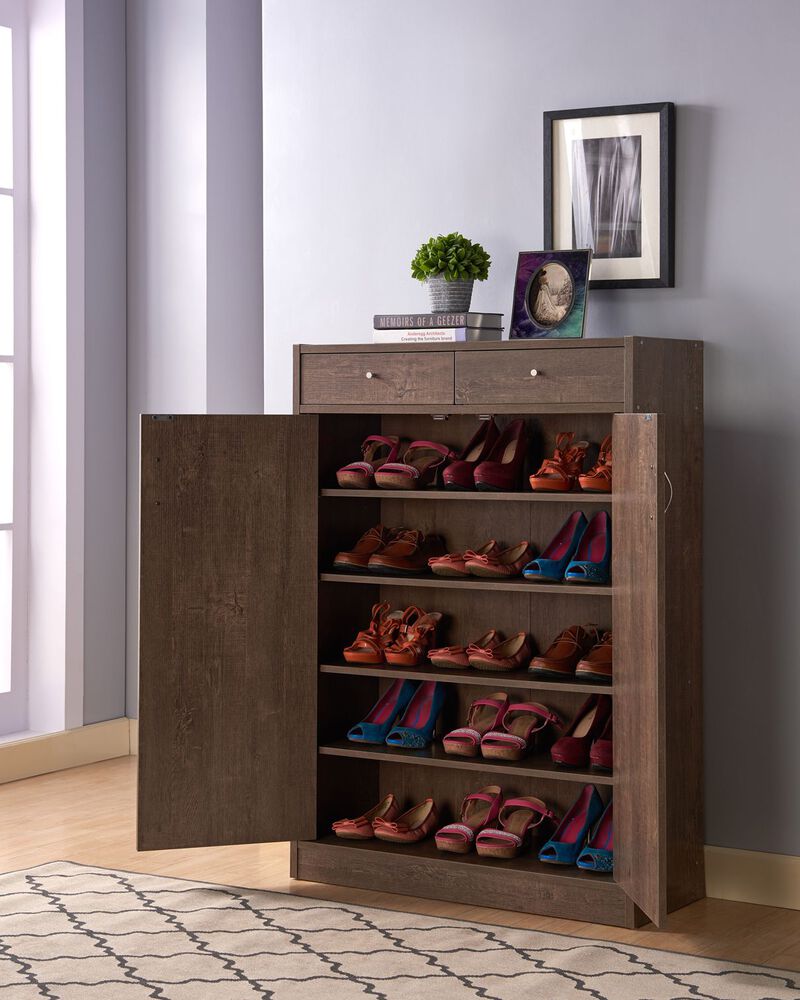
(550, 290)
(609, 185)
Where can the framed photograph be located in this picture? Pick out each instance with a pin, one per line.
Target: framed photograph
(609, 185)
(550, 294)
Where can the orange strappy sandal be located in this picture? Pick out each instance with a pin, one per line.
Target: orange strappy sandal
(369, 645)
(598, 478)
(412, 642)
(559, 474)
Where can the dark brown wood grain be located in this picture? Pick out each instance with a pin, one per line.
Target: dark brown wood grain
(393, 378)
(228, 654)
(587, 375)
(640, 808)
(523, 884)
(667, 376)
(517, 584)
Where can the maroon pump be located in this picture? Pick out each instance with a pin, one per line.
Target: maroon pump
(460, 474)
(502, 470)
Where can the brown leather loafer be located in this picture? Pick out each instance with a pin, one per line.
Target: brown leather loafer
(407, 553)
(372, 541)
(565, 651)
(596, 665)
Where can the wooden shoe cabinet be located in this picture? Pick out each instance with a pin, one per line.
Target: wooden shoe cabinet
(246, 700)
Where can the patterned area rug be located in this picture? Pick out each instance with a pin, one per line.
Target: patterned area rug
(70, 932)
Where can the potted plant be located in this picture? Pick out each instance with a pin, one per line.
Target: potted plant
(449, 265)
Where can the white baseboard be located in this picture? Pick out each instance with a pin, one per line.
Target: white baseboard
(34, 755)
(742, 876)
(753, 877)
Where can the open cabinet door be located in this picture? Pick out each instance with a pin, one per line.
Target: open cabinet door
(639, 705)
(227, 647)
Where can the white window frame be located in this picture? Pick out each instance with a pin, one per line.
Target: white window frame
(14, 703)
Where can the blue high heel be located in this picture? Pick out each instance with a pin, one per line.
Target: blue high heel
(592, 561)
(415, 730)
(551, 564)
(383, 714)
(566, 843)
(598, 855)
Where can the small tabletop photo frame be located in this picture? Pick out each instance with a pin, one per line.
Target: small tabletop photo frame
(550, 291)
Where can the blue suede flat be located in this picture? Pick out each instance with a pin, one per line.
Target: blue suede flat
(383, 714)
(598, 855)
(567, 842)
(415, 730)
(592, 561)
(549, 567)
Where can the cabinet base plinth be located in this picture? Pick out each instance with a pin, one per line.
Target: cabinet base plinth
(522, 885)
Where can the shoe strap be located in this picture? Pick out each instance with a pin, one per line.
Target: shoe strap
(378, 439)
(534, 708)
(541, 810)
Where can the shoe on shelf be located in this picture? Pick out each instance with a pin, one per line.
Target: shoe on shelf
(598, 478)
(499, 565)
(522, 725)
(375, 727)
(373, 540)
(484, 715)
(455, 657)
(360, 828)
(561, 657)
(601, 754)
(592, 560)
(502, 470)
(420, 466)
(454, 563)
(572, 749)
(376, 450)
(513, 653)
(412, 826)
(596, 664)
(566, 843)
(521, 819)
(415, 729)
(460, 473)
(559, 474)
(478, 811)
(412, 642)
(598, 855)
(406, 554)
(369, 645)
(551, 565)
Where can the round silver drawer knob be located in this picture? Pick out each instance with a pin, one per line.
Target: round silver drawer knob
(370, 375)
(534, 372)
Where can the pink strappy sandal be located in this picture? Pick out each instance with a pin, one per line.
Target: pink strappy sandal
(519, 821)
(376, 450)
(522, 724)
(478, 811)
(419, 467)
(485, 715)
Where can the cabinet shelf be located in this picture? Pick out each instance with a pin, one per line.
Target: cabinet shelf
(426, 851)
(479, 678)
(469, 495)
(537, 766)
(444, 583)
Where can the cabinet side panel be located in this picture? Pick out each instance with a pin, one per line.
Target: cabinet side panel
(639, 704)
(228, 654)
(667, 376)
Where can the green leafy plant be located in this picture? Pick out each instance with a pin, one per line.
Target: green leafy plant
(454, 257)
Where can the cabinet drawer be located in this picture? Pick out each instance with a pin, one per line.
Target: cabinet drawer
(377, 378)
(575, 375)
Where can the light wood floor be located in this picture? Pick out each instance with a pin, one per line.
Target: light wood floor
(88, 815)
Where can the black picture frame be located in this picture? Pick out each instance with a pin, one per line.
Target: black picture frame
(666, 113)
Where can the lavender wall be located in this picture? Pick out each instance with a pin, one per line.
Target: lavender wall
(366, 109)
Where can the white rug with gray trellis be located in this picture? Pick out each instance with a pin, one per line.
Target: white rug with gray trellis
(69, 932)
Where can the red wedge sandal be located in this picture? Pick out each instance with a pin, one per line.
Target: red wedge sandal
(376, 451)
(521, 820)
(478, 811)
(419, 467)
(523, 724)
(484, 715)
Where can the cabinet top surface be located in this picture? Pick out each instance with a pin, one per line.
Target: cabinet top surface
(489, 345)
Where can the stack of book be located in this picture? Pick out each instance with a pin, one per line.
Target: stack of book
(436, 328)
